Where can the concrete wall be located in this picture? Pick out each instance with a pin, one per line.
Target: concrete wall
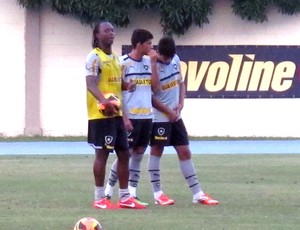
(12, 71)
(55, 100)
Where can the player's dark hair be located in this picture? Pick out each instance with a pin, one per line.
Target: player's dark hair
(167, 47)
(95, 31)
(140, 36)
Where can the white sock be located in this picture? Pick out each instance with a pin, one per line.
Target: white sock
(132, 191)
(99, 193)
(157, 194)
(109, 190)
(198, 195)
(124, 194)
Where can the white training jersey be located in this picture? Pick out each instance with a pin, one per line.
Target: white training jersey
(170, 79)
(137, 104)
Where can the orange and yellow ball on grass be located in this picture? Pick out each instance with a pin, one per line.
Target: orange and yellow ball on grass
(88, 223)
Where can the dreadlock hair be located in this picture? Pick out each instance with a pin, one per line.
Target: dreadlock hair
(95, 31)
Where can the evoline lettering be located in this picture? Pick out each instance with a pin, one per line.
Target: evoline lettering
(243, 74)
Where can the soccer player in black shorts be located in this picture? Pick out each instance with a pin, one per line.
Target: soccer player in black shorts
(168, 126)
(106, 131)
(137, 105)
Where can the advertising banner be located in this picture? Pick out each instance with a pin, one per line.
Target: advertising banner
(240, 71)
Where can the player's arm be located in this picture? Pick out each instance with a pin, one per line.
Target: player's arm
(182, 92)
(125, 86)
(182, 89)
(170, 113)
(91, 84)
(126, 120)
(155, 83)
(93, 75)
(131, 85)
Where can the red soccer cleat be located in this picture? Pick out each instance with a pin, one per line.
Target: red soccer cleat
(164, 200)
(104, 204)
(131, 203)
(207, 200)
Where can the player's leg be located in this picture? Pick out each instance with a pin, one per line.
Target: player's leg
(188, 170)
(189, 173)
(100, 201)
(125, 200)
(154, 168)
(136, 157)
(99, 165)
(96, 139)
(181, 144)
(138, 141)
(133, 165)
(112, 180)
(122, 151)
(123, 173)
(155, 176)
(159, 139)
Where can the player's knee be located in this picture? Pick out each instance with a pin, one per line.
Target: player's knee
(123, 157)
(184, 155)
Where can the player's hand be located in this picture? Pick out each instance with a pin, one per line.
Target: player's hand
(172, 115)
(178, 110)
(153, 55)
(127, 124)
(110, 109)
(131, 85)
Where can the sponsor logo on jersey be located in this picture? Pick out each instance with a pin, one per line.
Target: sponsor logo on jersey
(114, 79)
(141, 81)
(170, 85)
(140, 111)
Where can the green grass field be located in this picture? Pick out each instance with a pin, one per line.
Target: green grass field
(53, 192)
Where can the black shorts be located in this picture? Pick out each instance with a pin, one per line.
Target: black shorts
(140, 135)
(108, 133)
(169, 134)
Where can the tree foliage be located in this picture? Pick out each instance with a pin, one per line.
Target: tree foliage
(289, 7)
(256, 10)
(176, 16)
